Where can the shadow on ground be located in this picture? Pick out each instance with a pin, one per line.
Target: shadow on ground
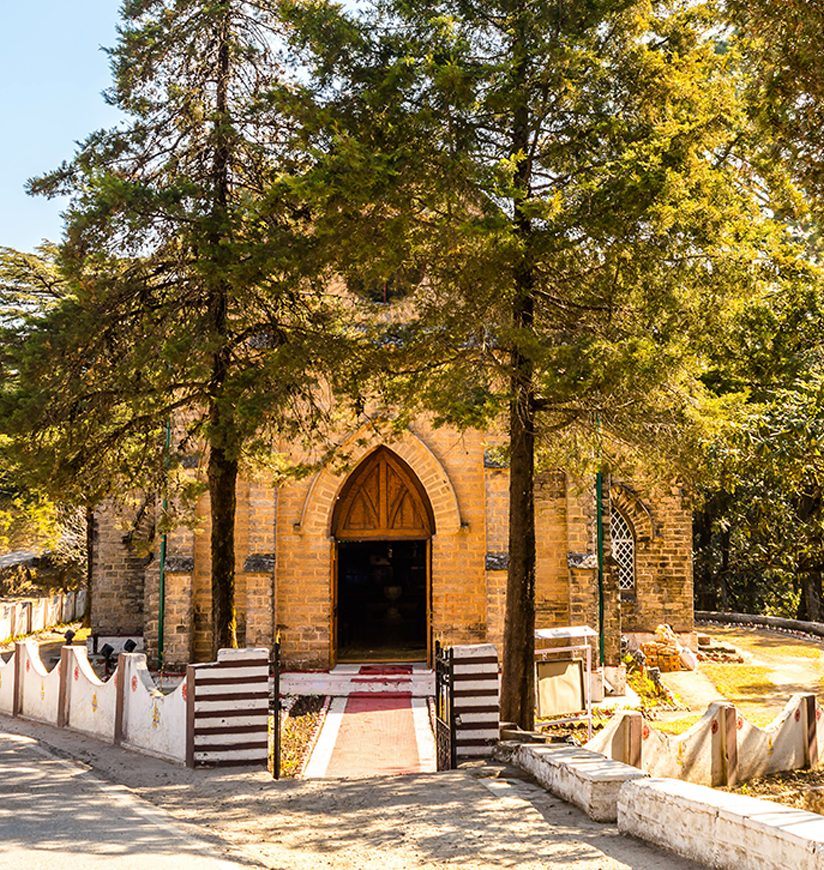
(429, 820)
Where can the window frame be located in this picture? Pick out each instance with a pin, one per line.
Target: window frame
(625, 554)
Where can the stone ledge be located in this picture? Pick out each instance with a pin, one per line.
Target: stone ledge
(719, 829)
(497, 561)
(259, 563)
(587, 779)
(582, 561)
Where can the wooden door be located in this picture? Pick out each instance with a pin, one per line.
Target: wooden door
(383, 500)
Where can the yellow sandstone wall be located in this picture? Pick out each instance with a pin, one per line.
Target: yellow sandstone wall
(285, 550)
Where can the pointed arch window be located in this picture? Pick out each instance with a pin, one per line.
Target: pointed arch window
(623, 550)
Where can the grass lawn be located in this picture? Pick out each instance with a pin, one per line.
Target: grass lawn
(677, 726)
(769, 643)
(739, 682)
(750, 688)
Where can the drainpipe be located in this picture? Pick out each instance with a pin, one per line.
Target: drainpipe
(161, 610)
(599, 526)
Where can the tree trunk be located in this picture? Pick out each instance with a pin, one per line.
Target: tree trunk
(222, 496)
(87, 611)
(724, 573)
(517, 680)
(809, 604)
(223, 435)
(706, 594)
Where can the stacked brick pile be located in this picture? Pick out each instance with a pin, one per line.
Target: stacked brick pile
(664, 652)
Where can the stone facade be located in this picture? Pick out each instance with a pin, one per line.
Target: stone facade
(286, 553)
(119, 565)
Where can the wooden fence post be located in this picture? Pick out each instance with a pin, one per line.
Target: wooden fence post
(810, 731)
(633, 728)
(729, 744)
(64, 686)
(120, 698)
(17, 697)
(190, 716)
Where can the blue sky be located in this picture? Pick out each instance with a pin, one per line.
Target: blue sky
(52, 72)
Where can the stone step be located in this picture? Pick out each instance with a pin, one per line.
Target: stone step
(418, 684)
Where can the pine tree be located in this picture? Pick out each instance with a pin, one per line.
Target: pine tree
(568, 179)
(186, 256)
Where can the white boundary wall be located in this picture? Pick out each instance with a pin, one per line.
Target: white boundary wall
(40, 687)
(719, 829)
(152, 722)
(26, 615)
(128, 708)
(722, 748)
(579, 776)
(92, 703)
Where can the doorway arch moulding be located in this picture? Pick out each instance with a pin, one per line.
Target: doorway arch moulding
(319, 504)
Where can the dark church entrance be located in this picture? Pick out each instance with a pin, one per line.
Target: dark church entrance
(382, 522)
(382, 600)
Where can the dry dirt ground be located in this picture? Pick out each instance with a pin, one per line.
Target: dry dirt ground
(481, 818)
(776, 665)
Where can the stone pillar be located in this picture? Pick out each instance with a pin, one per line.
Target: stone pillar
(177, 635)
(258, 604)
(476, 699)
(582, 560)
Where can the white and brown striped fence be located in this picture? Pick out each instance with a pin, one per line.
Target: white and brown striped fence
(476, 698)
(228, 709)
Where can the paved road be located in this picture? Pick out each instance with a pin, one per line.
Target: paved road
(54, 813)
(480, 819)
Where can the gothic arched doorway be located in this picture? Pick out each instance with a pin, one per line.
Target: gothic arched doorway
(382, 525)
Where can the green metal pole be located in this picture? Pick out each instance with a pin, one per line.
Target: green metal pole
(599, 525)
(161, 610)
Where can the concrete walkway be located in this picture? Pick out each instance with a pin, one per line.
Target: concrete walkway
(53, 813)
(370, 734)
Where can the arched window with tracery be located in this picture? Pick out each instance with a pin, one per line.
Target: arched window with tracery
(623, 550)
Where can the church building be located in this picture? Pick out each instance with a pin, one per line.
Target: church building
(398, 543)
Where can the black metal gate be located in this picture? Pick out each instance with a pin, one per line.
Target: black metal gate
(445, 744)
(275, 708)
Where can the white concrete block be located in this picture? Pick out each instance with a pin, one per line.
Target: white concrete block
(474, 650)
(719, 829)
(583, 778)
(240, 655)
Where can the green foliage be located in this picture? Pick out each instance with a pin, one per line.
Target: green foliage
(575, 183)
(632, 206)
(759, 533)
(190, 286)
(195, 288)
(782, 42)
